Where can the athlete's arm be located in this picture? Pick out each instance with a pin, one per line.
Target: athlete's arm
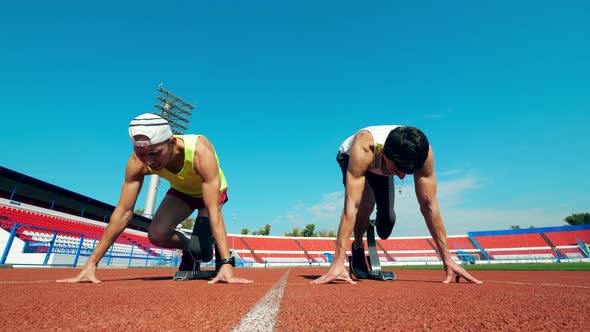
(425, 186)
(361, 157)
(206, 166)
(123, 213)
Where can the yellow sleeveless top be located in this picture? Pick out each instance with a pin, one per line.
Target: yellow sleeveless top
(187, 180)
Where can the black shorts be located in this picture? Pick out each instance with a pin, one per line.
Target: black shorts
(381, 185)
(374, 180)
(196, 202)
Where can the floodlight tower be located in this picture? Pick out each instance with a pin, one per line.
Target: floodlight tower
(177, 111)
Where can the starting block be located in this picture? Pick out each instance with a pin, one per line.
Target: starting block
(200, 248)
(376, 273)
(373, 258)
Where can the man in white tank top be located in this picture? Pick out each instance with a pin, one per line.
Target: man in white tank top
(369, 160)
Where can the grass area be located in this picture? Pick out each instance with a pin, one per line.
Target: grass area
(506, 267)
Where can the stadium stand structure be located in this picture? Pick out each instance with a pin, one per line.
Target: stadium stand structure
(275, 250)
(53, 221)
(543, 243)
(319, 250)
(42, 233)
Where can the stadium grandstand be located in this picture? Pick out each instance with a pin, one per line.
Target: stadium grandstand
(43, 224)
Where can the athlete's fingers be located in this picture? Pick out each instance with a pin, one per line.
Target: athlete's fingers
(214, 281)
(350, 281)
(328, 277)
(463, 274)
(317, 280)
(471, 279)
(75, 280)
(323, 279)
(240, 281)
(448, 279)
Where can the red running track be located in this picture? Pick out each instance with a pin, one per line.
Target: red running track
(149, 300)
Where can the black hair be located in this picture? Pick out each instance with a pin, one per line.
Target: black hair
(407, 147)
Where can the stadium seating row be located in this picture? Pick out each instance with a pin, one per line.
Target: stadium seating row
(262, 249)
(46, 225)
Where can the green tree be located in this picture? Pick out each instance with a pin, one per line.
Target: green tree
(578, 218)
(309, 231)
(245, 231)
(294, 232)
(514, 227)
(265, 230)
(326, 233)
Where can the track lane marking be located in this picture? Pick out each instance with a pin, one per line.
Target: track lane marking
(503, 282)
(535, 284)
(263, 316)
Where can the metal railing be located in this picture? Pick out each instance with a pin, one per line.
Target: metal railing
(39, 246)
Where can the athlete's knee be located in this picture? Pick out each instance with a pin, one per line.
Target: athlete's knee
(204, 220)
(386, 216)
(160, 235)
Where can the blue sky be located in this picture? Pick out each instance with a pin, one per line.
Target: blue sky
(500, 89)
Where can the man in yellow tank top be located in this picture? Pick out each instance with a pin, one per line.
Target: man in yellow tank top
(190, 164)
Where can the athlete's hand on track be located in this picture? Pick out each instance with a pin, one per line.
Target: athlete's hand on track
(88, 274)
(336, 272)
(226, 274)
(455, 271)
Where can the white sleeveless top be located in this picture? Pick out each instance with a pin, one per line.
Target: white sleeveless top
(379, 134)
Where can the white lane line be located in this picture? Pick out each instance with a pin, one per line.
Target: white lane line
(107, 279)
(27, 282)
(535, 284)
(263, 316)
(508, 282)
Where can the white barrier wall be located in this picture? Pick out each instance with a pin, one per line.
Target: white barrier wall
(16, 257)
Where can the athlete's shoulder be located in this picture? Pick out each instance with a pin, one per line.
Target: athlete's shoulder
(427, 170)
(135, 167)
(363, 141)
(202, 140)
(203, 146)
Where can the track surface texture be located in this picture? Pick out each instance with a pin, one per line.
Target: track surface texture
(284, 300)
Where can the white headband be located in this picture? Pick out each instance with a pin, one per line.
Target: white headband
(153, 126)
